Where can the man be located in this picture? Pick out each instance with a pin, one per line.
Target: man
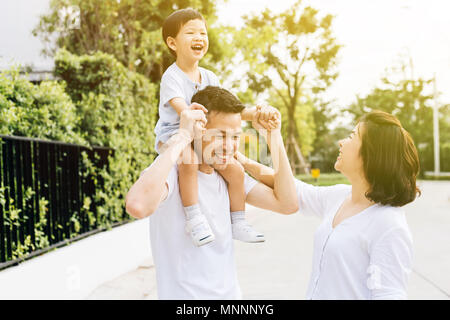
(184, 271)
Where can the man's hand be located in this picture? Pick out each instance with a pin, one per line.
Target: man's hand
(193, 121)
(266, 117)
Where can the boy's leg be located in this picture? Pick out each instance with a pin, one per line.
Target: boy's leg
(234, 175)
(196, 223)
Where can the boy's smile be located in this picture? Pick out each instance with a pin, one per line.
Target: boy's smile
(191, 42)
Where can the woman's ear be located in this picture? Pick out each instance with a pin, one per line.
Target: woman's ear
(171, 43)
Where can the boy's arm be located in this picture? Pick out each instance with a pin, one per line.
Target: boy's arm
(248, 113)
(151, 188)
(262, 115)
(178, 104)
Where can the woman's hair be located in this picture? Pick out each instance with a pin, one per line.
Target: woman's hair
(174, 22)
(390, 159)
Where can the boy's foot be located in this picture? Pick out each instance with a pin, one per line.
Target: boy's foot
(199, 230)
(244, 232)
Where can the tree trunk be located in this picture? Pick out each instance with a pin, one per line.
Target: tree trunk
(293, 149)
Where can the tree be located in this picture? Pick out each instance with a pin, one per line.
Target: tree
(130, 30)
(291, 57)
(326, 144)
(410, 100)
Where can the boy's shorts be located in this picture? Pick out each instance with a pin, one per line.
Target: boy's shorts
(166, 132)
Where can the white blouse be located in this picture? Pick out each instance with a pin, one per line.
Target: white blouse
(366, 256)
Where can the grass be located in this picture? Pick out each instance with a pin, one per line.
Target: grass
(329, 179)
(325, 179)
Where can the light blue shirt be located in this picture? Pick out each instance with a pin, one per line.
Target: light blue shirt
(176, 84)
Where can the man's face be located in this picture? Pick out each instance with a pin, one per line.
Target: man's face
(221, 140)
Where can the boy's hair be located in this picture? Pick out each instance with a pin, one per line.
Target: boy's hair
(218, 99)
(176, 20)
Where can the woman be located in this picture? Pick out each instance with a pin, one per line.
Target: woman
(363, 247)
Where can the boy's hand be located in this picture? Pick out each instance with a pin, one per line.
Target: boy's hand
(193, 121)
(266, 117)
(200, 126)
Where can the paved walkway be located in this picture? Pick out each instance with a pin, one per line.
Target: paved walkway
(280, 267)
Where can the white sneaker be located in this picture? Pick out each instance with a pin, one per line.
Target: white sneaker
(199, 230)
(244, 232)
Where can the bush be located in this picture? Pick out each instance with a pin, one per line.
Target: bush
(96, 102)
(40, 111)
(117, 109)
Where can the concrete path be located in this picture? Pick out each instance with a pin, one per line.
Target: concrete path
(280, 267)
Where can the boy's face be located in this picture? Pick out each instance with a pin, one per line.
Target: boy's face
(221, 140)
(191, 42)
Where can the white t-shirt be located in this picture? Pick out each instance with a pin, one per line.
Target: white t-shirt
(366, 256)
(176, 84)
(184, 271)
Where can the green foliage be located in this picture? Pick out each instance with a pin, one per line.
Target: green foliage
(13, 218)
(117, 109)
(97, 102)
(326, 146)
(41, 111)
(130, 30)
(303, 118)
(410, 100)
(325, 179)
(291, 57)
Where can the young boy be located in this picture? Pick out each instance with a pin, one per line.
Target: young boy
(185, 34)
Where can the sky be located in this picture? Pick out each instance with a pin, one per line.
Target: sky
(373, 34)
(18, 45)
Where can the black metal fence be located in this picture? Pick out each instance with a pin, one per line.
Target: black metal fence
(44, 187)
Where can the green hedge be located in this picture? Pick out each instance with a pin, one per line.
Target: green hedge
(40, 111)
(116, 108)
(95, 102)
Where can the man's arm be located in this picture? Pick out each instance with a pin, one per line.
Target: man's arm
(257, 170)
(282, 197)
(150, 189)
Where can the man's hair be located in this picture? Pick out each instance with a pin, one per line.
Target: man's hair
(175, 21)
(390, 159)
(218, 99)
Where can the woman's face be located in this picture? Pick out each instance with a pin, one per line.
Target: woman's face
(349, 160)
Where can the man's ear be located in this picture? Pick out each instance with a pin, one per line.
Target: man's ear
(171, 43)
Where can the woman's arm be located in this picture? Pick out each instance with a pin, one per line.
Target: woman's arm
(266, 118)
(282, 197)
